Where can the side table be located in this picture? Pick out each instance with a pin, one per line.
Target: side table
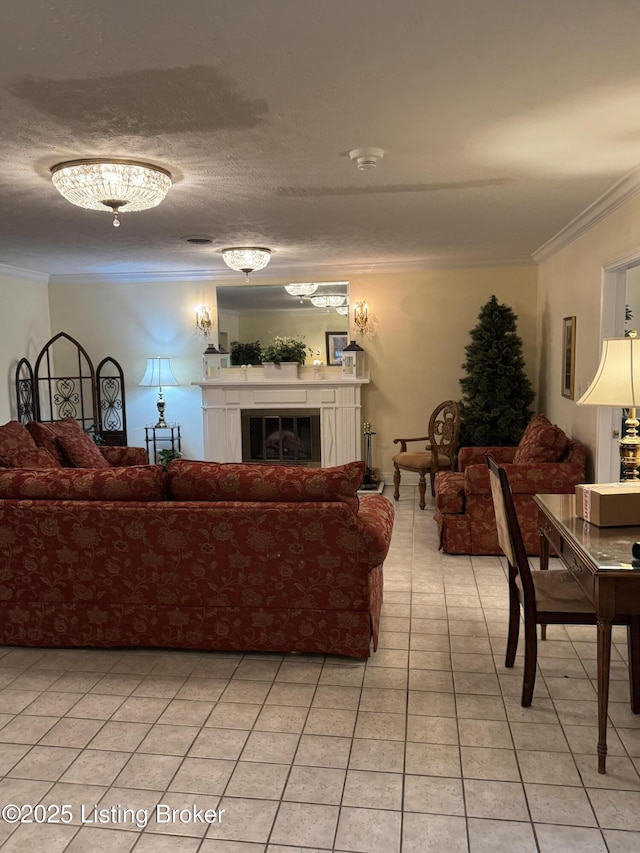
(159, 438)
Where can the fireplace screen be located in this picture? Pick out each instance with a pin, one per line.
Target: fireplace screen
(281, 437)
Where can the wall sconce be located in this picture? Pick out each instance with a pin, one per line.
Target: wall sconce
(361, 317)
(203, 320)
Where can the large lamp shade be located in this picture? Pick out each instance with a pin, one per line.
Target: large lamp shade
(158, 374)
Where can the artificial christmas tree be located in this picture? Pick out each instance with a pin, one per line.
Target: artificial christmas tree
(496, 392)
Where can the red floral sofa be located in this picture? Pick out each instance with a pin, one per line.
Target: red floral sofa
(202, 555)
(545, 461)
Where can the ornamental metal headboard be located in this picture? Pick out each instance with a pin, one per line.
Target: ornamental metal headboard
(64, 384)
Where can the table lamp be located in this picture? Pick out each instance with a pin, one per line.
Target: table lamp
(159, 373)
(617, 383)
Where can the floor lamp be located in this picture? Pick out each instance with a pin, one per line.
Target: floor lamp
(617, 383)
(159, 374)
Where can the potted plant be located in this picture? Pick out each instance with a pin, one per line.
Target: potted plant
(245, 353)
(165, 456)
(284, 350)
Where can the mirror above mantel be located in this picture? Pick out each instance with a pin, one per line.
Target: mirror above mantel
(248, 313)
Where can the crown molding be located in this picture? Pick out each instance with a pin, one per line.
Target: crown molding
(618, 194)
(289, 273)
(27, 275)
(145, 277)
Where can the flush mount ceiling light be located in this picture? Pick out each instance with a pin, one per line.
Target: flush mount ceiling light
(302, 289)
(113, 185)
(246, 259)
(328, 300)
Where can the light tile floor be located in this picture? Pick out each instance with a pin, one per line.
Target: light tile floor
(424, 747)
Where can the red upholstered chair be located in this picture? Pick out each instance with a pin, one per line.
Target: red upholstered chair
(439, 452)
(545, 461)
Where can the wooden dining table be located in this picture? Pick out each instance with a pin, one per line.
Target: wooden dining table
(601, 561)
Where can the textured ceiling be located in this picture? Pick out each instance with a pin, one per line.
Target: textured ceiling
(501, 121)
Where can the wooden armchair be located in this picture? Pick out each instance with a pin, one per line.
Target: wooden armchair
(439, 452)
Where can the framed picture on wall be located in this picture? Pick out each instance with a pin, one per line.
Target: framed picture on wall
(568, 356)
(336, 342)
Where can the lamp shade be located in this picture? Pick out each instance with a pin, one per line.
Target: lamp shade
(158, 372)
(617, 380)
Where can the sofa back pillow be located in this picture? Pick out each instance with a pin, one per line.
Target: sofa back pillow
(541, 441)
(80, 450)
(15, 438)
(37, 459)
(135, 483)
(45, 435)
(231, 481)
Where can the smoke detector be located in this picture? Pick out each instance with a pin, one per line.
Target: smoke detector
(366, 158)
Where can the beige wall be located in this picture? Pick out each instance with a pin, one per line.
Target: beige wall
(132, 322)
(570, 283)
(24, 329)
(421, 323)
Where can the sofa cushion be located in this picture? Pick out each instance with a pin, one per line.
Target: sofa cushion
(541, 441)
(119, 457)
(230, 481)
(45, 435)
(36, 459)
(15, 438)
(135, 483)
(80, 450)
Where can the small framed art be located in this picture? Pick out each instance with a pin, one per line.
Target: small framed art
(568, 356)
(336, 342)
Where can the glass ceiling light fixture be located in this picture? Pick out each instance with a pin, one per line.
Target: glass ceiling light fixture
(246, 259)
(113, 185)
(328, 300)
(302, 289)
(342, 309)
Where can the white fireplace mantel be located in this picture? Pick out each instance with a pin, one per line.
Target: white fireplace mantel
(336, 397)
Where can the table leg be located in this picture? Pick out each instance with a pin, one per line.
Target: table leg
(604, 665)
(633, 647)
(544, 565)
(544, 551)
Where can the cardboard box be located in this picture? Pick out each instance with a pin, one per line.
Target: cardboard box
(609, 504)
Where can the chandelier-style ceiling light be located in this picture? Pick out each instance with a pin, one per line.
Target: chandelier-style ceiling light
(246, 259)
(113, 185)
(342, 309)
(302, 289)
(328, 300)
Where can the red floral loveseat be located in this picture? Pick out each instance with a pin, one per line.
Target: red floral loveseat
(203, 555)
(545, 461)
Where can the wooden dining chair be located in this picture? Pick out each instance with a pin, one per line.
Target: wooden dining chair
(551, 597)
(439, 452)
